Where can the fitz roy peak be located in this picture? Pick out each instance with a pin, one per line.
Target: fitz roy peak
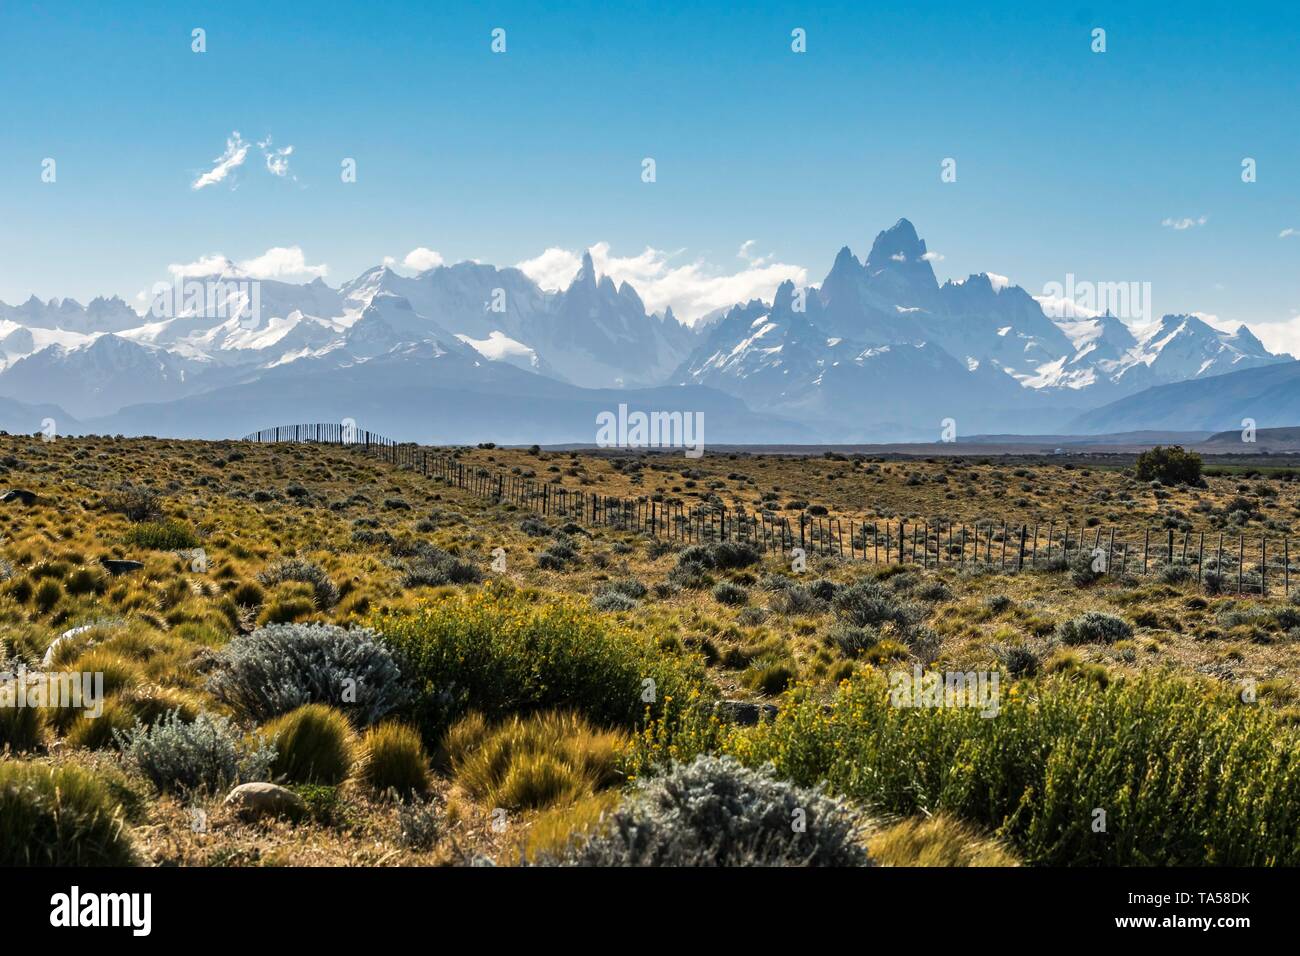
(880, 350)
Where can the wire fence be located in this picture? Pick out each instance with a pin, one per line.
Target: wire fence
(1246, 566)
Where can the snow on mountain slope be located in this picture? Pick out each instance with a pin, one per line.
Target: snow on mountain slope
(879, 345)
(69, 315)
(100, 376)
(499, 347)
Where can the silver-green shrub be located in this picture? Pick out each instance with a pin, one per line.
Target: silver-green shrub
(1094, 627)
(208, 754)
(714, 812)
(282, 666)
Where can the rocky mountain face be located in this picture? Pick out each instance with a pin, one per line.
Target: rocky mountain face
(880, 350)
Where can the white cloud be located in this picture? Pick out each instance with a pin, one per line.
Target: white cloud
(1288, 232)
(1280, 336)
(203, 266)
(932, 256)
(421, 259)
(1184, 223)
(746, 252)
(234, 156)
(278, 262)
(692, 290)
(277, 160)
(553, 269)
(998, 282)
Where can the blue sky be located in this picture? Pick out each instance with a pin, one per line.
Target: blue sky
(1068, 161)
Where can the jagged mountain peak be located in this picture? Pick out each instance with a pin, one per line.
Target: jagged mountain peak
(845, 264)
(586, 276)
(898, 243)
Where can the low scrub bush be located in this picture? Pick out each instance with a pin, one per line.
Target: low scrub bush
(794, 599)
(133, 502)
(727, 592)
(281, 667)
(867, 604)
(1168, 465)
(433, 567)
(206, 755)
(1094, 627)
(613, 601)
(714, 812)
(1187, 774)
(501, 653)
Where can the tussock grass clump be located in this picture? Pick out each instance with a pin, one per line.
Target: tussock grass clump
(59, 816)
(313, 744)
(119, 672)
(99, 733)
(1187, 776)
(281, 667)
(714, 812)
(162, 536)
(21, 728)
(393, 759)
(533, 762)
(324, 591)
(499, 652)
(47, 595)
(150, 703)
(937, 841)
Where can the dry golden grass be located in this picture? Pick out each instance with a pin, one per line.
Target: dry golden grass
(358, 519)
(936, 841)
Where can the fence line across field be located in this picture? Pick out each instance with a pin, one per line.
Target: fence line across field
(937, 543)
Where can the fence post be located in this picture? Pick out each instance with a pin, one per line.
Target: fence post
(1241, 559)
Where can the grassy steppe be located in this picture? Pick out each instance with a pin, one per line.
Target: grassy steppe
(531, 701)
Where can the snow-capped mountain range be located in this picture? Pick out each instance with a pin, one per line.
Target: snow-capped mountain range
(879, 350)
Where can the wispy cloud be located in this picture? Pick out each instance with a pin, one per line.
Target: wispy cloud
(277, 160)
(237, 149)
(234, 156)
(692, 289)
(1288, 232)
(1185, 223)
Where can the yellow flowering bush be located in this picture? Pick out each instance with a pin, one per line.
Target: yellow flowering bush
(499, 652)
(1182, 774)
